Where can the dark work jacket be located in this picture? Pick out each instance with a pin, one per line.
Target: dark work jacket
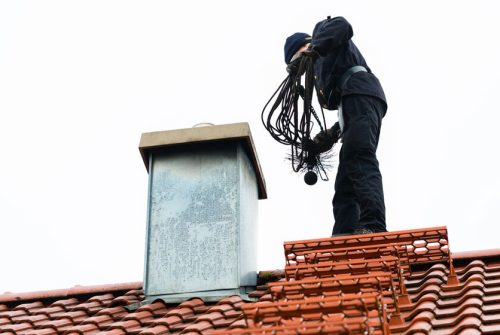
(332, 41)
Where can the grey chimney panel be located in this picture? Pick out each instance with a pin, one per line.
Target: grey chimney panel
(199, 239)
(248, 219)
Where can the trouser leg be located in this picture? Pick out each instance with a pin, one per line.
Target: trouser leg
(359, 196)
(345, 205)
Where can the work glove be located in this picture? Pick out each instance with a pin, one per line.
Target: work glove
(310, 52)
(325, 139)
(294, 67)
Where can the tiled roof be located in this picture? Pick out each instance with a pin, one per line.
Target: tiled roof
(398, 283)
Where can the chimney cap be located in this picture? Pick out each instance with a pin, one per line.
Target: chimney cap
(227, 132)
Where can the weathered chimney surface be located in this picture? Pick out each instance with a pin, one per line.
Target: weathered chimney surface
(204, 186)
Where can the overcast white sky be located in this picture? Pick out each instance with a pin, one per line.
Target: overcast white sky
(81, 80)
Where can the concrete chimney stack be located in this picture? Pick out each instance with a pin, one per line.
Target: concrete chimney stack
(204, 187)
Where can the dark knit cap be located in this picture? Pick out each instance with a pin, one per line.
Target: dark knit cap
(294, 43)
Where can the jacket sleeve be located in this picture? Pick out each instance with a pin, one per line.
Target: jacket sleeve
(329, 34)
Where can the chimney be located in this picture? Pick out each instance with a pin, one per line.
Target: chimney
(204, 186)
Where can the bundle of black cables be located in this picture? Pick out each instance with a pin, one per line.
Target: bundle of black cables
(290, 125)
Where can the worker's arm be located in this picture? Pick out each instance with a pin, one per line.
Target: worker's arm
(330, 34)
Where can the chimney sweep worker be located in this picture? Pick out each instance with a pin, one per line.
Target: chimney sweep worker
(344, 82)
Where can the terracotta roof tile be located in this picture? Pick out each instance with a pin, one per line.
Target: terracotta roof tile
(33, 319)
(51, 311)
(115, 331)
(12, 314)
(66, 304)
(198, 328)
(156, 330)
(343, 276)
(74, 316)
(116, 313)
(41, 331)
(16, 327)
(29, 306)
(125, 325)
(99, 321)
(142, 317)
(182, 313)
(166, 321)
(158, 308)
(83, 329)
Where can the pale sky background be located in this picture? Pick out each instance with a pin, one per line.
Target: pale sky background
(81, 80)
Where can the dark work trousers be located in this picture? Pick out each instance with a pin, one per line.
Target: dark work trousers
(359, 198)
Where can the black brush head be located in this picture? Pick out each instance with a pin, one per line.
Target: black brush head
(310, 177)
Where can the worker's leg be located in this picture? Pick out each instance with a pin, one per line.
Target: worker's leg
(358, 161)
(345, 204)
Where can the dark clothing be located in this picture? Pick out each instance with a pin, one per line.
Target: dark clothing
(332, 41)
(359, 196)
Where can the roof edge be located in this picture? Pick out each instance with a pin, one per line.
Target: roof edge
(71, 292)
(475, 254)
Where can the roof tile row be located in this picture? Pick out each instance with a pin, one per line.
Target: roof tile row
(321, 295)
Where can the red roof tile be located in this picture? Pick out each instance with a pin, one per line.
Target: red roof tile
(399, 281)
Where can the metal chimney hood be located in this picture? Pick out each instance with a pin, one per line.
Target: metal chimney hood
(204, 186)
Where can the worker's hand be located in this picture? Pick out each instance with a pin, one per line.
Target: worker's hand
(295, 69)
(310, 52)
(325, 139)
